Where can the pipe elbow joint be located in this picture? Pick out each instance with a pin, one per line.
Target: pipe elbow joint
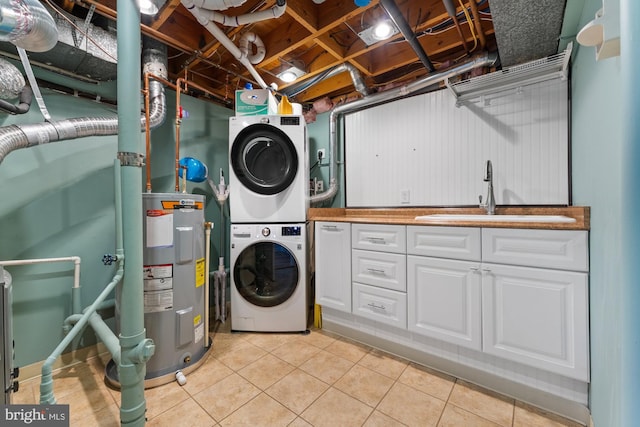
(143, 351)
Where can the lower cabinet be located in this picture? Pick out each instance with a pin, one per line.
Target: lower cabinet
(333, 265)
(516, 294)
(537, 317)
(445, 300)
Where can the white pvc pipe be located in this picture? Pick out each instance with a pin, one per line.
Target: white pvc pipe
(75, 259)
(207, 233)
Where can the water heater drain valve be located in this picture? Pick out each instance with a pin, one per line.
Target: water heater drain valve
(109, 259)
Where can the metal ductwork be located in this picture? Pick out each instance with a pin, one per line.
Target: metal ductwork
(396, 16)
(14, 137)
(383, 97)
(356, 77)
(28, 25)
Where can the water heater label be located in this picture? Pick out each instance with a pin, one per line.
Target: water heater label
(199, 333)
(182, 204)
(161, 271)
(155, 301)
(159, 227)
(158, 284)
(200, 273)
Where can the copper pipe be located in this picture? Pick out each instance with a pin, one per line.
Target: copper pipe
(178, 88)
(178, 120)
(147, 132)
(478, 23)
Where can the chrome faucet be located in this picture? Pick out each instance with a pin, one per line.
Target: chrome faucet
(490, 204)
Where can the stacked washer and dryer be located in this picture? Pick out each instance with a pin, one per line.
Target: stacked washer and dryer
(268, 202)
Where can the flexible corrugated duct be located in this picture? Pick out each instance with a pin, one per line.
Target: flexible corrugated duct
(383, 97)
(14, 137)
(248, 39)
(28, 25)
(356, 78)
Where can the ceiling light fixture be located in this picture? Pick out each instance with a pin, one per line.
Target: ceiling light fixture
(291, 74)
(148, 7)
(383, 30)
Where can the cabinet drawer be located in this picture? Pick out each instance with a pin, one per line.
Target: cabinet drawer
(559, 249)
(380, 304)
(444, 242)
(381, 269)
(378, 237)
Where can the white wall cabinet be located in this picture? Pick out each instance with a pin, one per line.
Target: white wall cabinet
(333, 265)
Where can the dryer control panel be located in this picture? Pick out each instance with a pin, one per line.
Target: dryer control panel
(292, 231)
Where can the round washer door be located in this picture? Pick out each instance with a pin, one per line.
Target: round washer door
(264, 159)
(266, 274)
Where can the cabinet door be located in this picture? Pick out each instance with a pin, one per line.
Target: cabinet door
(444, 300)
(537, 317)
(333, 265)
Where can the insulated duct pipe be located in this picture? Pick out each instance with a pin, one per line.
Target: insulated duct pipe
(28, 25)
(383, 97)
(14, 137)
(356, 77)
(135, 348)
(203, 17)
(396, 16)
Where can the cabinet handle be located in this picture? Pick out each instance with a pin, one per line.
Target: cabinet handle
(486, 269)
(377, 240)
(330, 227)
(379, 307)
(376, 271)
(474, 269)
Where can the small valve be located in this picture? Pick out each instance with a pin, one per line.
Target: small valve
(109, 259)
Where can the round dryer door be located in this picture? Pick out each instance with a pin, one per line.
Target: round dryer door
(266, 274)
(264, 159)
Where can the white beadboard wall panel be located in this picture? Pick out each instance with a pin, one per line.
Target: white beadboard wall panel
(425, 151)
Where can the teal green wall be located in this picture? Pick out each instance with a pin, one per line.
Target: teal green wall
(318, 132)
(597, 161)
(58, 201)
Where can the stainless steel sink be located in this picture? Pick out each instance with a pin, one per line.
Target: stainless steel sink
(495, 218)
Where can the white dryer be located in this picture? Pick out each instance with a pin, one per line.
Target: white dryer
(268, 168)
(269, 277)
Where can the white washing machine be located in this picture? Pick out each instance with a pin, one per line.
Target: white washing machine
(269, 169)
(269, 277)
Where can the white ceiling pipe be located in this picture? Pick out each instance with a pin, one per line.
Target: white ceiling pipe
(216, 32)
(248, 18)
(28, 25)
(218, 4)
(252, 39)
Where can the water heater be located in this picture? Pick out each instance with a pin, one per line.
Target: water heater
(174, 284)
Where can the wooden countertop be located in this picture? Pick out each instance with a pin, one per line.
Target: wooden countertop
(406, 216)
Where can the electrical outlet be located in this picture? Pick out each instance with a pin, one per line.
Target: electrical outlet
(404, 196)
(321, 154)
(319, 186)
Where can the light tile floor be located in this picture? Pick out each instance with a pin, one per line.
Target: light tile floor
(319, 379)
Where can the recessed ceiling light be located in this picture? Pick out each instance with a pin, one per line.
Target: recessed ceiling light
(291, 74)
(381, 31)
